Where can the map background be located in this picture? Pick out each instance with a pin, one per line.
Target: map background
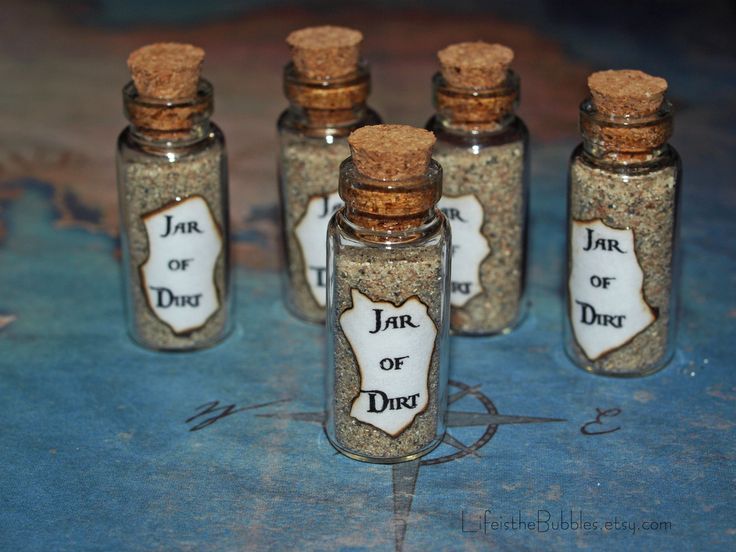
(96, 450)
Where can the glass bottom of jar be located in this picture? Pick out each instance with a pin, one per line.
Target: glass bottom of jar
(513, 325)
(380, 460)
(304, 317)
(312, 315)
(648, 370)
(184, 349)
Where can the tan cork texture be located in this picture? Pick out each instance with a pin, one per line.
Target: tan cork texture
(626, 93)
(325, 52)
(475, 64)
(167, 71)
(391, 152)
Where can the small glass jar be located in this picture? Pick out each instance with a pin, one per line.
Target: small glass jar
(388, 305)
(622, 210)
(483, 148)
(174, 229)
(313, 135)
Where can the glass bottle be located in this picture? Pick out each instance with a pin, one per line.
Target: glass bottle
(313, 135)
(623, 193)
(173, 198)
(483, 148)
(388, 307)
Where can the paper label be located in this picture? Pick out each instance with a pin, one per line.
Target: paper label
(469, 245)
(311, 233)
(178, 277)
(607, 305)
(393, 347)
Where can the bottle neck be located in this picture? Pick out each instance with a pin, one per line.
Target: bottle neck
(390, 211)
(318, 104)
(626, 140)
(160, 123)
(476, 110)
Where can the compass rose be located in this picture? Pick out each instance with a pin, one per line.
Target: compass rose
(405, 474)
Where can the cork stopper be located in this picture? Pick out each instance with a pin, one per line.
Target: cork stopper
(391, 152)
(476, 90)
(166, 70)
(475, 64)
(325, 52)
(628, 119)
(390, 184)
(626, 93)
(167, 100)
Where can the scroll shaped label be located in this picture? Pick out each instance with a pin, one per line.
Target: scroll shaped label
(393, 347)
(469, 246)
(311, 233)
(607, 305)
(178, 276)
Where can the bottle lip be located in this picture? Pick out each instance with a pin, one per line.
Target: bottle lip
(476, 110)
(204, 97)
(391, 209)
(432, 176)
(327, 102)
(630, 139)
(169, 122)
(510, 85)
(589, 112)
(295, 78)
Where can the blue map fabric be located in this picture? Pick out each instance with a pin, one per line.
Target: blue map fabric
(107, 446)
